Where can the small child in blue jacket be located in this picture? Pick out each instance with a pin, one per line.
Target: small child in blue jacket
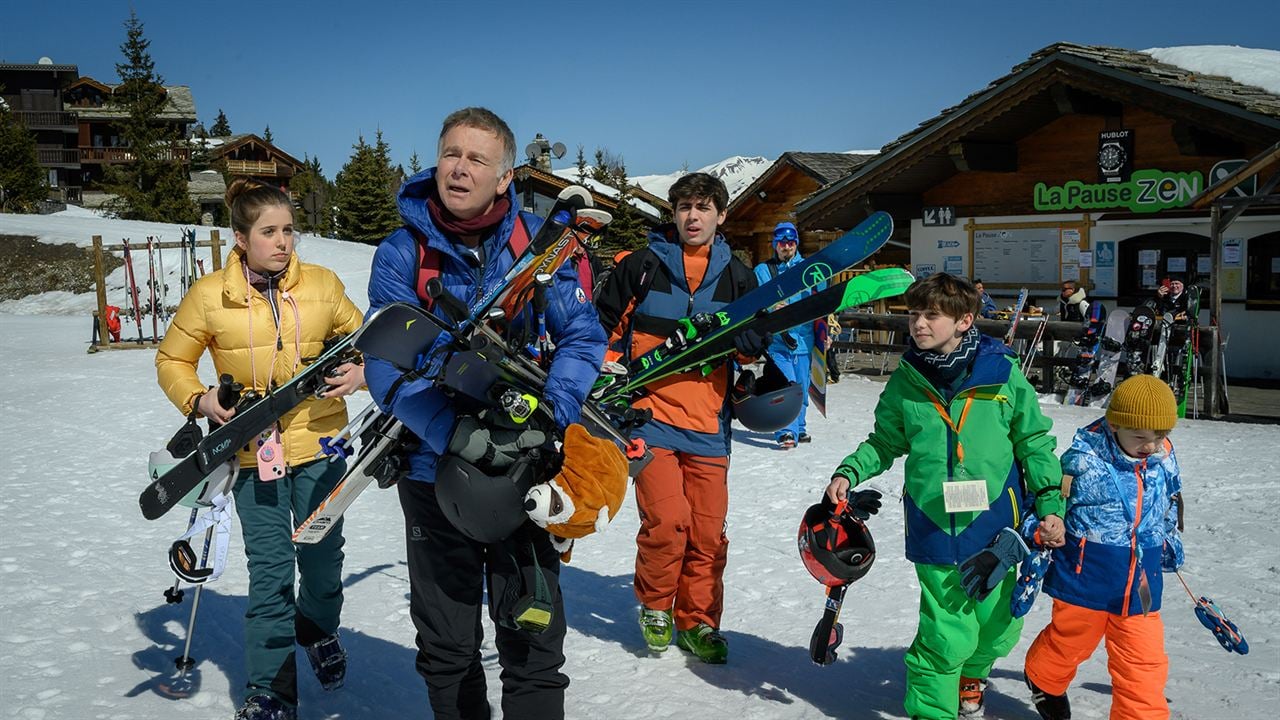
(1121, 532)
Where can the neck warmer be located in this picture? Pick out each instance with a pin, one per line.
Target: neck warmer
(262, 281)
(453, 225)
(944, 370)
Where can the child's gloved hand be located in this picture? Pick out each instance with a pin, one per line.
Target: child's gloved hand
(985, 569)
(864, 503)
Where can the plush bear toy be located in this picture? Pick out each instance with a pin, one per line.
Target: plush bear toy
(585, 495)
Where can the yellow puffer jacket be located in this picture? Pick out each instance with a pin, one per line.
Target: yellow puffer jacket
(217, 313)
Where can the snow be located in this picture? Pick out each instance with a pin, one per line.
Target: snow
(86, 632)
(1247, 66)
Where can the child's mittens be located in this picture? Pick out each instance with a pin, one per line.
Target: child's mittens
(985, 569)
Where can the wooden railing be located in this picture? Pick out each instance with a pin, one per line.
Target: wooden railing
(46, 119)
(57, 156)
(122, 155)
(252, 167)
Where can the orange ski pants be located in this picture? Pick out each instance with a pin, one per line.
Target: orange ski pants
(1135, 657)
(681, 549)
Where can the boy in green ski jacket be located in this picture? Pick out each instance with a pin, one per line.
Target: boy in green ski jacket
(977, 449)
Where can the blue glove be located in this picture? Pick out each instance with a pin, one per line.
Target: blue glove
(987, 568)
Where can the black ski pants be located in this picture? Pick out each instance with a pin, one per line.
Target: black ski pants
(448, 573)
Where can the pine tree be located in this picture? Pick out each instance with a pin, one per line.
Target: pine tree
(364, 194)
(22, 180)
(581, 165)
(266, 134)
(415, 165)
(628, 230)
(312, 180)
(221, 128)
(153, 186)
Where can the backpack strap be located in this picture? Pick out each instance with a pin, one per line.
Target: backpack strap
(429, 259)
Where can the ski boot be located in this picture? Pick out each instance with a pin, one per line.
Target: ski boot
(706, 643)
(786, 441)
(265, 707)
(1050, 707)
(656, 627)
(329, 661)
(804, 438)
(971, 695)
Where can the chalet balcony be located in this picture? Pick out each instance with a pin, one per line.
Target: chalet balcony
(108, 156)
(58, 157)
(258, 168)
(48, 120)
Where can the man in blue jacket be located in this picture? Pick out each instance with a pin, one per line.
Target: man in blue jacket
(460, 218)
(790, 349)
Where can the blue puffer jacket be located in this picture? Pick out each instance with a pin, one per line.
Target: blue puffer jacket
(571, 321)
(803, 333)
(1105, 560)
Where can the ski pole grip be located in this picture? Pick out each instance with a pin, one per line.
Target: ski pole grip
(452, 306)
(228, 391)
(540, 284)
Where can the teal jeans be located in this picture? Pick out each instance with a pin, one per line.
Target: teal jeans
(956, 636)
(276, 618)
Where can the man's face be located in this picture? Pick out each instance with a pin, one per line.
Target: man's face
(1068, 290)
(1176, 287)
(697, 220)
(786, 249)
(468, 173)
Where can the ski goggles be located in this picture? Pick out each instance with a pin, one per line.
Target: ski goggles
(784, 236)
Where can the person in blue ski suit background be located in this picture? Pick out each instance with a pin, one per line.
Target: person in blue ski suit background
(790, 350)
(465, 210)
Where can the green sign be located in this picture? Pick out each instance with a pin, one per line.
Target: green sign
(1146, 191)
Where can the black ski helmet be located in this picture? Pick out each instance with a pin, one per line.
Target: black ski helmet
(836, 547)
(769, 403)
(485, 507)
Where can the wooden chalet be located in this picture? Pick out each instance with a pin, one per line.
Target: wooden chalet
(99, 140)
(772, 198)
(248, 155)
(33, 93)
(538, 189)
(1083, 164)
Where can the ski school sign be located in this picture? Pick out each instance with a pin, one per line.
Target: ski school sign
(1146, 191)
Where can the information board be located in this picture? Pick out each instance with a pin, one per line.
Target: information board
(1018, 256)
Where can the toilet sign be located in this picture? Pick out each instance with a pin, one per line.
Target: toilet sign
(939, 216)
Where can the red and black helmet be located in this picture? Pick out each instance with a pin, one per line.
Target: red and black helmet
(836, 547)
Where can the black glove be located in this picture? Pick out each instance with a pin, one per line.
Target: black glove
(864, 503)
(752, 343)
(987, 568)
(790, 341)
(487, 441)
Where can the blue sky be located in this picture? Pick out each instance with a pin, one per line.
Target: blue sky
(663, 84)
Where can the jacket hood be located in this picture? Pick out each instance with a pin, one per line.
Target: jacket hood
(1077, 297)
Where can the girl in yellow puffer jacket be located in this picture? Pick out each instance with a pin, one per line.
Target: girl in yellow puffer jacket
(260, 317)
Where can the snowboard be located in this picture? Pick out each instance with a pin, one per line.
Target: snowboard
(818, 366)
(1137, 342)
(1111, 346)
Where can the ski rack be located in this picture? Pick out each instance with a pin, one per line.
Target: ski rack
(101, 339)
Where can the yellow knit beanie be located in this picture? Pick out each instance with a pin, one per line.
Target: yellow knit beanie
(1143, 402)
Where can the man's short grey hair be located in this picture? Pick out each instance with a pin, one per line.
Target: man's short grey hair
(484, 119)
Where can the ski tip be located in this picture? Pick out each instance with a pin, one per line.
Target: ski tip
(577, 196)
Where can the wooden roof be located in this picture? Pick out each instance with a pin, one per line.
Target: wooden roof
(179, 104)
(822, 167)
(232, 142)
(556, 182)
(1033, 94)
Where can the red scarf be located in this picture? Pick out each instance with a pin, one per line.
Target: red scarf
(451, 224)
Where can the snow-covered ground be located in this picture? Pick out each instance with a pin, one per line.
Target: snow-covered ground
(86, 633)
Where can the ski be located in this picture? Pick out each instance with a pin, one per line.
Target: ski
(132, 279)
(371, 463)
(1191, 350)
(220, 445)
(1017, 316)
(828, 633)
(718, 342)
(849, 249)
